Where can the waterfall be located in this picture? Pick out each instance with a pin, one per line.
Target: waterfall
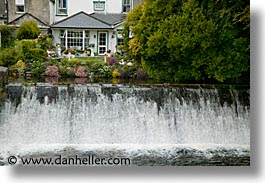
(119, 114)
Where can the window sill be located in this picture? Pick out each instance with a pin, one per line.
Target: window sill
(20, 12)
(61, 15)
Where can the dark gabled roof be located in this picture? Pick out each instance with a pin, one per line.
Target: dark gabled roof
(27, 16)
(90, 21)
(110, 18)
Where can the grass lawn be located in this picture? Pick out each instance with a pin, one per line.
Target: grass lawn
(85, 60)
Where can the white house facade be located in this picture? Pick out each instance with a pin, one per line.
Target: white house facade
(89, 24)
(65, 8)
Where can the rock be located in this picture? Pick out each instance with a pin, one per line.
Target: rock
(3, 75)
(3, 71)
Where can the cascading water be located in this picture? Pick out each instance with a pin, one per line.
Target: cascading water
(125, 116)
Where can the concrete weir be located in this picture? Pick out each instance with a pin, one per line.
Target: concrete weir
(152, 126)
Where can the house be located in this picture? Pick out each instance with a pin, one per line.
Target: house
(65, 8)
(90, 24)
(75, 24)
(98, 32)
(3, 12)
(25, 10)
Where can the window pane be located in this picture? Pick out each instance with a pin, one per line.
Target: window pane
(20, 2)
(64, 3)
(20, 9)
(126, 6)
(120, 41)
(62, 7)
(102, 50)
(99, 6)
(87, 34)
(62, 33)
(75, 39)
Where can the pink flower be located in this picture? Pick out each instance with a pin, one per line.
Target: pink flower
(52, 71)
(81, 72)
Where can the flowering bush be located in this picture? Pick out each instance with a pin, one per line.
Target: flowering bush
(105, 72)
(113, 61)
(52, 71)
(115, 74)
(37, 68)
(81, 72)
(66, 71)
(65, 52)
(73, 51)
(21, 65)
(74, 61)
(124, 72)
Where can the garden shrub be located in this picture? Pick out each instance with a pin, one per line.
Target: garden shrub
(101, 70)
(52, 71)
(36, 54)
(141, 74)
(13, 69)
(81, 72)
(8, 57)
(44, 42)
(29, 51)
(105, 72)
(128, 72)
(6, 36)
(66, 71)
(37, 68)
(28, 30)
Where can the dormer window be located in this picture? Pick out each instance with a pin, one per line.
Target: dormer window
(20, 6)
(99, 5)
(126, 6)
(61, 7)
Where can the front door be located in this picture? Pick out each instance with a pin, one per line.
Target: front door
(102, 43)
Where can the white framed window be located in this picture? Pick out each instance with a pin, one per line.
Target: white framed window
(120, 41)
(74, 39)
(61, 7)
(126, 6)
(20, 6)
(99, 5)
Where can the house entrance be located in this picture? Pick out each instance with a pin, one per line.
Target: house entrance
(102, 43)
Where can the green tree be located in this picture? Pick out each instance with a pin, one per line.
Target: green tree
(188, 40)
(28, 30)
(6, 36)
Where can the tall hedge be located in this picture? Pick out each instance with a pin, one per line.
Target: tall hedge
(192, 40)
(6, 36)
(28, 30)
